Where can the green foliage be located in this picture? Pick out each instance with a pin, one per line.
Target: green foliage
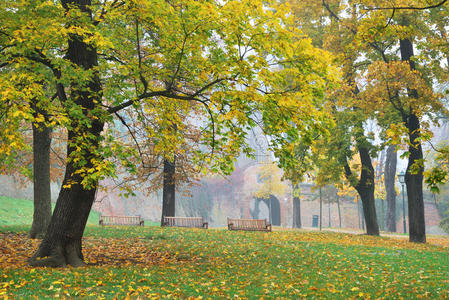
(208, 65)
(435, 177)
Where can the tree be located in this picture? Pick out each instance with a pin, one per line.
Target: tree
(41, 175)
(114, 56)
(270, 178)
(390, 178)
(296, 207)
(16, 163)
(340, 37)
(376, 34)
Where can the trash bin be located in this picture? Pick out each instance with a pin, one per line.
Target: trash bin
(315, 220)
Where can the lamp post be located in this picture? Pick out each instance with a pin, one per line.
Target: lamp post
(401, 177)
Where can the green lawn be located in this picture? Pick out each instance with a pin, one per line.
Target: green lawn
(20, 211)
(154, 262)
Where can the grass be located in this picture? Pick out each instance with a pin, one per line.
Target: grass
(154, 262)
(20, 212)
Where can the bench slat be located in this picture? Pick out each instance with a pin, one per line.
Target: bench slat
(249, 224)
(121, 220)
(190, 222)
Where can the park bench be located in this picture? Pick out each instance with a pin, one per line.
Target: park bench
(121, 220)
(249, 224)
(191, 222)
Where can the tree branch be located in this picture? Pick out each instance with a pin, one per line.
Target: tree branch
(133, 137)
(139, 55)
(408, 7)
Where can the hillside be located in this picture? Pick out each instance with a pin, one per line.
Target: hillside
(20, 211)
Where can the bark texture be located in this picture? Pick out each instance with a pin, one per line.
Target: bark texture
(41, 180)
(414, 180)
(390, 175)
(297, 212)
(169, 190)
(365, 188)
(62, 244)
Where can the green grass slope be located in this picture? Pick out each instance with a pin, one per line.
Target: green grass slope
(20, 212)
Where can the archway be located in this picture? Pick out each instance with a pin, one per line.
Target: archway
(273, 208)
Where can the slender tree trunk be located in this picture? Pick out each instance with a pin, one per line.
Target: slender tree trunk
(382, 219)
(363, 217)
(41, 180)
(358, 214)
(169, 190)
(297, 212)
(321, 208)
(339, 211)
(329, 211)
(61, 245)
(390, 175)
(414, 179)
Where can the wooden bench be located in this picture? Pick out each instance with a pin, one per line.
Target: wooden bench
(121, 220)
(249, 224)
(190, 222)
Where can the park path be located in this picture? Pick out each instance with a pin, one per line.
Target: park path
(433, 239)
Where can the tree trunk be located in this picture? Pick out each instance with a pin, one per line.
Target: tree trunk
(358, 213)
(365, 188)
(61, 245)
(169, 190)
(382, 219)
(414, 184)
(390, 175)
(369, 210)
(321, 209)
(62, 242)
(297, 212)
(414, 180)
(41, 180)
(339, 211)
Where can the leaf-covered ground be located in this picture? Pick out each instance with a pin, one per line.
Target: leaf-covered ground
(154, 262)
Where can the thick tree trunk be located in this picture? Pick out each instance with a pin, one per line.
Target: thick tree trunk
(365, 188)
(41, 180)
(390, 176)
(297, 212)
(369, 210)
(169, 190)
(414, 184)
(414, 180)
(61, 245)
